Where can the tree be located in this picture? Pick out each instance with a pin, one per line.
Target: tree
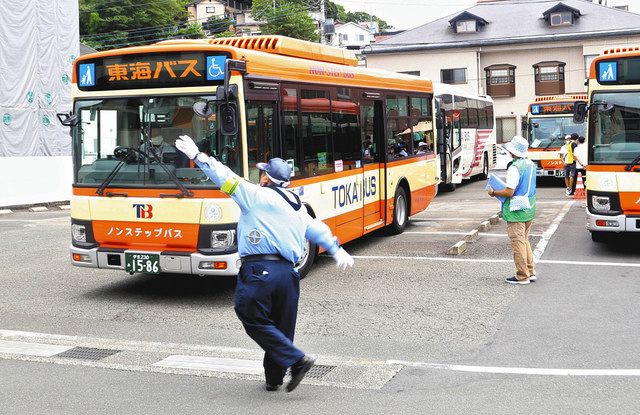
(108, 23)
(358, 17)
(335, 11)
(288, 18)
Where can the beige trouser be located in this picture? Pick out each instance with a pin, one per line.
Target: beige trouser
(522, 255)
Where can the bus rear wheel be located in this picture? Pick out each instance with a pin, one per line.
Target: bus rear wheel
(400, 212)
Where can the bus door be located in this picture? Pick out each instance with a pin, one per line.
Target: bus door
(373, 154)
(260, 127)
(456, 147)
(443, 126)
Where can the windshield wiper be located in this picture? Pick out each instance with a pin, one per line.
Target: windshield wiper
(130, 155)
(635, 161)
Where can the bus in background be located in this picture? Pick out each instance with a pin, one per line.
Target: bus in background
(613, 120)
(351, 135)
(549, 120)
(467, 137)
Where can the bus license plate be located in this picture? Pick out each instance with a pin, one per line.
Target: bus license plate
(147, 263)
(559, 173)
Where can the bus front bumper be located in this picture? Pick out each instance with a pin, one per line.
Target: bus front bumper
(187, 263)
(619, 223)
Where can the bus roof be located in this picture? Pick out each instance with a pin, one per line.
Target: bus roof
(571, 97)
(286, 59)
(614, 53)
(440, 88)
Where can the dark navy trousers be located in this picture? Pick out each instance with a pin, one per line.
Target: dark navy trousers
(266, 302)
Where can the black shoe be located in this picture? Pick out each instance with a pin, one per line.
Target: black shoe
(271, 387)
(298, 370)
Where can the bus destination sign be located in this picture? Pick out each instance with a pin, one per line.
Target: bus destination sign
(622, 71)
(152, 70)
(552, 108)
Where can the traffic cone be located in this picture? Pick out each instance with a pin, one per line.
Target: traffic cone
(579, 193)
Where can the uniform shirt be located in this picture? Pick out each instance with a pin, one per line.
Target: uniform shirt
(268, 224)
(513, 176)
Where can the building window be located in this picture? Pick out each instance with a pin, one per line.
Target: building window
(501, 80)
(549, 77)
(210, 9)
(453, 76)
(587, 64)
(466, 26)
(361, 38)
(344, 37)
(561, 19)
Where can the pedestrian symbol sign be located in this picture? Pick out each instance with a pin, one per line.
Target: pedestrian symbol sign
(87, 74)
(608, 72)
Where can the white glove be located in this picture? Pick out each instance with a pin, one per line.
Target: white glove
(343, 260)
(187, 146)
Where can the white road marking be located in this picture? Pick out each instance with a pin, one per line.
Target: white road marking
(504, 235)
(31, 349)
(520, 370)
(494, 260)
(217, 364)
(546, 236)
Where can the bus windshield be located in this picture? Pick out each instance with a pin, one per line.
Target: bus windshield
(550, 132)
(142, 131)
(614, 127)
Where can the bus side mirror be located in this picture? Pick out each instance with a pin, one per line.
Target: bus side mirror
(229, 119)
(67, 119)
(579, 112)
(524, 126)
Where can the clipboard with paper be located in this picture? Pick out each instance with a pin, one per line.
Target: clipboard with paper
(496, 183)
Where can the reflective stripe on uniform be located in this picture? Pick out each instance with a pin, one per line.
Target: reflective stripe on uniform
(230, 185)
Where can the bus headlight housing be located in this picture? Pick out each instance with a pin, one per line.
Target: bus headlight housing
(601, 203)
(223, 240)
(78, 233)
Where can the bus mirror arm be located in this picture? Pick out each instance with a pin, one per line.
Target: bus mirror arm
(67, 119)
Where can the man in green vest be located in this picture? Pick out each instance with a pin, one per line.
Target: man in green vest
(519, 208)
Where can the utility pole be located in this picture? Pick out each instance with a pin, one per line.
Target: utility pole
(322, 18)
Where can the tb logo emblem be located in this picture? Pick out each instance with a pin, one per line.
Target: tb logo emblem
(143, 211)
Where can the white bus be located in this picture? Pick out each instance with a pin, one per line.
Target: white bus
(466, 135)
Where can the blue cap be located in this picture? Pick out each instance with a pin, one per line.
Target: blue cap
(277, 170)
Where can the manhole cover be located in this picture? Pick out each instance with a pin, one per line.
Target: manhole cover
(87, 353)
(319, 371)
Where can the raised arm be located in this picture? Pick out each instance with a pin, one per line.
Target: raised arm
(319, 233)
(240, 190)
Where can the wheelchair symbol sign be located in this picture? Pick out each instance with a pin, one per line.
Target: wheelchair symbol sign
(215, 67)
(535, 109)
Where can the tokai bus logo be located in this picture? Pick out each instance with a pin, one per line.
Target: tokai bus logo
(143, 211)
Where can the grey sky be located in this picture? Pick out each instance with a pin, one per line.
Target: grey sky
(407, 14)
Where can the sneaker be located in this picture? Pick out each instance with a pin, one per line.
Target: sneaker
(533, 278)
(514, 280)
(566, 192)
(298, 370)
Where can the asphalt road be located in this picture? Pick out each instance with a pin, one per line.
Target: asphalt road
(409, 329)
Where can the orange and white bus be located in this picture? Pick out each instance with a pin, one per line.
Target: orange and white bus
(613, 120)
(549, 120)
(350, 134)
(467, 140)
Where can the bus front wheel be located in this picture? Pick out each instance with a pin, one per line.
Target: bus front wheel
(400, 212)
(308, 258)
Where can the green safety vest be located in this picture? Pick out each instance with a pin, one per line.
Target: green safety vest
(525, 168)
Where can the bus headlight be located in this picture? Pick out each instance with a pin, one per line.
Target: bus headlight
(601, 203)
(223, 240)
(78, 233)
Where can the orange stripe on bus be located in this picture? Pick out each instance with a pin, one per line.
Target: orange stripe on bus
(606, 167)
(133, 192)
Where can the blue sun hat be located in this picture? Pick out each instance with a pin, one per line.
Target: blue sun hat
(277, 170)
(518, 146)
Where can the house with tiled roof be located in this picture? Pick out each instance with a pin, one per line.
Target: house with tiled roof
(513, 50)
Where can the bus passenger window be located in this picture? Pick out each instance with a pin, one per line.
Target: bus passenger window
(316, 132)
